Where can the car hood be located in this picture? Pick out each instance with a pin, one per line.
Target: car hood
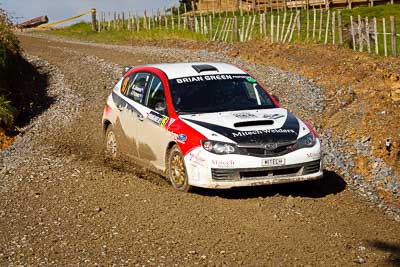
(247, 126)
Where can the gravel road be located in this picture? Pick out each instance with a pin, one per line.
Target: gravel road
(62, 204)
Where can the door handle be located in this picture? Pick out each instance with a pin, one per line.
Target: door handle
(140, 117)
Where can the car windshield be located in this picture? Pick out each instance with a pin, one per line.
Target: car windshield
(218, 93)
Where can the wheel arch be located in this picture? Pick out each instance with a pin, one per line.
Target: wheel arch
(106, 124)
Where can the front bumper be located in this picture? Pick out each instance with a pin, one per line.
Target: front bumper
(209, 170)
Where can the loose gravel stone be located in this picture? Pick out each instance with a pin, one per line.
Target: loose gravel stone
(62, 204)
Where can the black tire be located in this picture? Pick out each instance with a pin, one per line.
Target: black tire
(111, 144)
(177, 170)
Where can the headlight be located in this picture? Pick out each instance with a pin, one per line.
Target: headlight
(306, 141)
(219, 147)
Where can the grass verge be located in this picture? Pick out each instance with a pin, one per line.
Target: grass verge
(319, 28)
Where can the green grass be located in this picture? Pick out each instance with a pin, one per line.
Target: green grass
(7, 112)
(376, 11)
(83, 30)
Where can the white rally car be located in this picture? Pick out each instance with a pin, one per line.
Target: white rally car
(207, 125)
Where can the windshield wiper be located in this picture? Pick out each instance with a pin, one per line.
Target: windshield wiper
(186, 112)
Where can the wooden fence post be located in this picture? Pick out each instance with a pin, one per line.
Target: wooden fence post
(308, 22)
(252, 27)
(283, 26)
(109, 21)
(340, 30)
(277, 27)
(314, 20)
(288, 28)
(99, 23)
(179, 20)
(94, 20)
(115, 21)
(242, 29)
(220, 34)
(352, 33)
(225, 30)
(119, 22)
(320, 24)
(299, 25)
(210, 22)
(367, 33)
(333, 27)
(384, 36)
(376, 36)
(265, 23)
(327, 27)
(123, 20)
(394, 35)
(229, 29)
(216, 31)
(196, 23)
(294, 25)
(236, 29)
(145, 20)
(201, 24)
(360, 39)
(272, 27)
(129, 22)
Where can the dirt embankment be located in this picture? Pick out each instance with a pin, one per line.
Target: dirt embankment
(22, 86)
(61, 204)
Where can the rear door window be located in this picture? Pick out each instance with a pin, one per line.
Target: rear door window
(136, 87)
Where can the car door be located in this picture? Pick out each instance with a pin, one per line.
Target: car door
(153, 137)
(132, 92)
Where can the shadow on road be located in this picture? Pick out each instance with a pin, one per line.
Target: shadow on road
(331, 183)
(26, 86)
(394, 249)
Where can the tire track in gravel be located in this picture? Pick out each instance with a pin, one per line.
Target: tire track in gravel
(65, 206)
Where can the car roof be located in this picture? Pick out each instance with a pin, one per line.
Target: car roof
(180, 70)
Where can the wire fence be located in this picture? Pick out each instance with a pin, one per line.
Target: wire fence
(371, 34)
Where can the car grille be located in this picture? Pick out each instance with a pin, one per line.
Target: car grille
(224, 174)
(311, 167)
(263, 151)
(257, 173)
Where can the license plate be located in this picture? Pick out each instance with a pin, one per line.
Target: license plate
(273, 162)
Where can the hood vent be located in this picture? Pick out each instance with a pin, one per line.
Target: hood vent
(253, 123)
(204, 67)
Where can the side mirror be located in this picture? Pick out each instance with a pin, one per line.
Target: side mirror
(161, 108)
(126, 69)
(276, 98)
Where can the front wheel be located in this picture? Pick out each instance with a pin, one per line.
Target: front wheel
(177, 171)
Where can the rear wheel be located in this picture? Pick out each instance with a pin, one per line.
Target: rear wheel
(111, 143)
(177, 171)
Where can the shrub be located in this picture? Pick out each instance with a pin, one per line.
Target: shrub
(9, 47)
